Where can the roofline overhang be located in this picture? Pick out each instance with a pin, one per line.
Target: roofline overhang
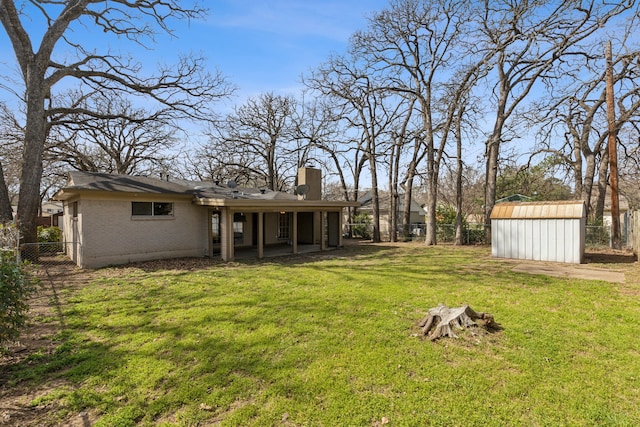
(70, 193)
(274, 205)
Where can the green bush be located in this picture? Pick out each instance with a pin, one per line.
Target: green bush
(49, 234)
(361, 226)
(446, 224)
(15, 288)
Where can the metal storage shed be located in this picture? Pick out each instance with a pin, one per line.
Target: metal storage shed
(540, 231)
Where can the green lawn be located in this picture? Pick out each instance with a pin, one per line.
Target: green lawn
(332, 341)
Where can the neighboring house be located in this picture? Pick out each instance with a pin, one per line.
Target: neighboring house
(50, 208)
(623, 208)
(366, 206)
(515, 198)
(116, 219)
(624, 216)
(50, 214)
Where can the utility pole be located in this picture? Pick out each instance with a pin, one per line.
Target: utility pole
(616, 241)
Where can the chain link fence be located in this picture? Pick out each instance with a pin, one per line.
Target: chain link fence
(596, 236)
(600, 236)
(48, 254)
(472, 234)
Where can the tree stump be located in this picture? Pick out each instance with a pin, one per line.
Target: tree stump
(443, 319)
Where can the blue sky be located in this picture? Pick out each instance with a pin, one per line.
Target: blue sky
(266, 45)
(261, 46)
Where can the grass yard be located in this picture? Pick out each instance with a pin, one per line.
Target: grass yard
(332, 341)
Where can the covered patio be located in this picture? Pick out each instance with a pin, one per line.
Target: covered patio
(261, 228)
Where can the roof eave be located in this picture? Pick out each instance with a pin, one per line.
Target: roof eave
(289, 205)
(69, 193)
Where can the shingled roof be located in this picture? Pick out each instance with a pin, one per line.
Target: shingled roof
(80, 181)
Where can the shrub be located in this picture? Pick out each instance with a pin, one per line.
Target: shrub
(361, 226)
(49, 234)
(15, 288)
(446, 223)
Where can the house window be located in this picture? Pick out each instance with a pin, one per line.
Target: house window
(151, 209)
(283, 226)
(74, 210)
(215, 227)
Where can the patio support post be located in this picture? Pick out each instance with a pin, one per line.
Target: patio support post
(323, 231)
(210, 232)
(340, 242)
(226, 238)
(260, 235)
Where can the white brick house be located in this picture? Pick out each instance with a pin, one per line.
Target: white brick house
(116, 219)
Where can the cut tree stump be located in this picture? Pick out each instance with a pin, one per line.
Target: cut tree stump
(442, 320)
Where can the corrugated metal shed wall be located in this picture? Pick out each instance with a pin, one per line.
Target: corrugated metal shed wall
(540, 231)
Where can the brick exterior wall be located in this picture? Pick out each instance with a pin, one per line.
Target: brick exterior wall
(111, 235)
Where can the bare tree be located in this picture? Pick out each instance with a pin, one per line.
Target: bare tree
(344, 155)
(414, 46)
(6, 213)
(258, 139)
(468, 202)
(401, 141)
(11, 135)
(125, 140)
(530, 39)
(367, 112)
(630, 164)
(580, 117)
(320, 138)
(60, 56)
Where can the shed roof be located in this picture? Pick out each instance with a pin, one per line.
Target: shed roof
(539, 210)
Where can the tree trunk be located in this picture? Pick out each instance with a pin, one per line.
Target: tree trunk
(406, 209)
(407, 186)
(577, 170)
(603, 180)
(375, 198)
(459, 172)
(491, 177)
(393, 190)
(31, 174)
(587, 183)
(6, 213)
(442, 320)
(432, 196)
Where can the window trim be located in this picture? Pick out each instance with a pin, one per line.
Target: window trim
(153, 214)
(284, 226)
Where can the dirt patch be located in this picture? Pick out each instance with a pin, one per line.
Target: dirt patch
(562, 270)
(46, 321)
(615, 266)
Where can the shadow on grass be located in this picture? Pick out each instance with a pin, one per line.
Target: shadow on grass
(194, 264)
(617, 257)
(232, 335)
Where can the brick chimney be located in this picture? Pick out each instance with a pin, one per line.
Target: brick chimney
(313, 178)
